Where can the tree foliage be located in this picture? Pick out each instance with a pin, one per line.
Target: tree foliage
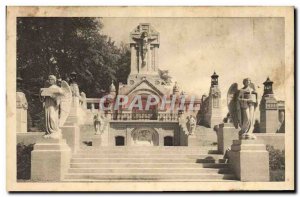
(276, 163)
(59, 46)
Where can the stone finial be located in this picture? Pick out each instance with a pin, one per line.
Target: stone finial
(268, 86)
(175, 88)
(112, 87)
(214, 79)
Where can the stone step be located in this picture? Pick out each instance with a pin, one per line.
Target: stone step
(155, 148)
(149, 165)
(147, 176)
(149, 170)
(144, 160)
(193, 149)
(162, 180)
(149, 155)
(171, 152)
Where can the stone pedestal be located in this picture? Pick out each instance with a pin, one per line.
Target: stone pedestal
(97, 141)
(192, 140)
(73, 118)
(77, 114)
(50, 160)
(249, 160)
(226, 134)
(269, 117)
(72, 136)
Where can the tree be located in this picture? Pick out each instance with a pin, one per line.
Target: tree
(59, 46)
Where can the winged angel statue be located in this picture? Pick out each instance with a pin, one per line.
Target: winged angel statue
(56, 99)
(242, 105)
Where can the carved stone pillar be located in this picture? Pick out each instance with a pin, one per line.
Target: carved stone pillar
(133, 65)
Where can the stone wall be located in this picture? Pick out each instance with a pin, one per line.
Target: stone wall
(161, 130)
(29, 137)
(274, 139)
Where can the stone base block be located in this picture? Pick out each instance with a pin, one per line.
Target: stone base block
(226, 134)
(249, 160)
(215, 121)
(72, 136)
(50, 160)
(97, 141)
(192, 140)
(72, 120)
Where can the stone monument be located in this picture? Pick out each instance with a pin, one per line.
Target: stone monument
(246, 153)
(144, 44)
(22, 107)
(51, 155)
(211, 109)
(269, 121)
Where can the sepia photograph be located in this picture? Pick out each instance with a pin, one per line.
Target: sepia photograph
(150, 99)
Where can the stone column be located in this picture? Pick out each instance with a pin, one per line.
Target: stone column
(133, 65)
(71, 128)
(149, 66)
(50, 160)
(249, 160)
(22, 107)
(156, 57)
(226, 133)
(160, 137)
(153, 59)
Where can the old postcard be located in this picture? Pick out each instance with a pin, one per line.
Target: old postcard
(150, 98)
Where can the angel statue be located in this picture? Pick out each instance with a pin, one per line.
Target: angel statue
(242, 105)
(191, 124)
(56, 99)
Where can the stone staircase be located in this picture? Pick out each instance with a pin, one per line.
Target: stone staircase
(175, 163)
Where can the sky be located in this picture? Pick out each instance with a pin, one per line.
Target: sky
(193, 48)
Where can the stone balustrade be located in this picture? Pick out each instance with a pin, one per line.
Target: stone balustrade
(144, 116)
(92, 104)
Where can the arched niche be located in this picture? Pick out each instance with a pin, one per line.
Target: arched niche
(144, 136)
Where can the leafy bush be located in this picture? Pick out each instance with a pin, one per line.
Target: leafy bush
(276, 164)
(24, 161)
